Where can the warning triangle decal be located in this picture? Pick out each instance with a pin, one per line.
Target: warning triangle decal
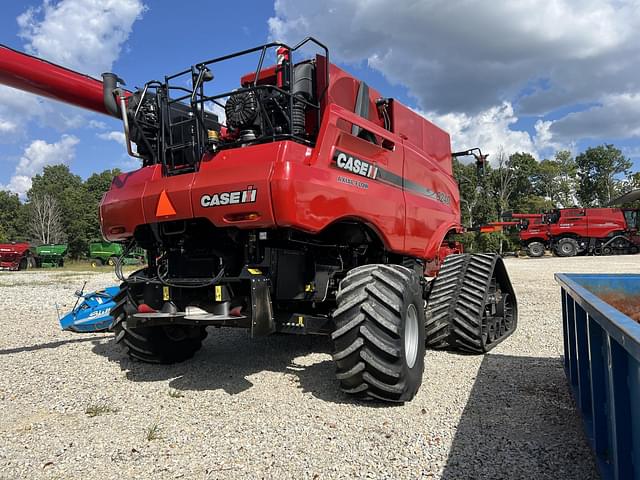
(165, 207)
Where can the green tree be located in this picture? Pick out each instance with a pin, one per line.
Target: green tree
(96, 185)
(567, 179)
(77, 200)
(12, 217)
(477, 204)
(598, 171)
(525, 167)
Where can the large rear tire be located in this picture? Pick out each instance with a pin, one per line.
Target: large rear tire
(567, 247)
(378, 343)
(535, 249)
(161, 344)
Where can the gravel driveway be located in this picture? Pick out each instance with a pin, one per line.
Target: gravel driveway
(74, 407)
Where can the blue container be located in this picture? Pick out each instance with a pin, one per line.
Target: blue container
(602, 363)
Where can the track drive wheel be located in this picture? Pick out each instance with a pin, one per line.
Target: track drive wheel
(535, 249)
(567, 247)
(472, 306)
(161, 344)
(378, 343)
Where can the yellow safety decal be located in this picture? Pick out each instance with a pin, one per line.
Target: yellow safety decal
(254, 271)
(165, 293)
(218, 293)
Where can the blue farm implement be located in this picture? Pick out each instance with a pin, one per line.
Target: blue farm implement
(93, 313)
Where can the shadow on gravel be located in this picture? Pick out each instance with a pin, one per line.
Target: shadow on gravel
(230, 357)
(40, 346)
(520, 422)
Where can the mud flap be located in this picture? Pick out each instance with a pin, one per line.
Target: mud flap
(262, 321)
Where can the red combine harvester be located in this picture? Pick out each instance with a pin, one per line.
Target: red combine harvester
(317, 206)
(574, 231)
(15, 256)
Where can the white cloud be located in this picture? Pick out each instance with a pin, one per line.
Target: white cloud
(38, 155)
(489, 130)
(113, 136)
(98, 125)
(7, 126)
(465, 59)
(84, 35)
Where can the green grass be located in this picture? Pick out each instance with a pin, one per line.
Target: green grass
(153, 432)
(99, 409)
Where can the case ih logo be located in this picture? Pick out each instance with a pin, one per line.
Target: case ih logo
(230, 198)
(355, 165)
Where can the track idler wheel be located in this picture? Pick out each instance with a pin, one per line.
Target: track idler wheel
(472, 306)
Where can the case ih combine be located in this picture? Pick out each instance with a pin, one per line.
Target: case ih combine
(317, 207)
(575, 231)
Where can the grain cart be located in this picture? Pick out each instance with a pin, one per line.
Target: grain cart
(15, 256)
(51, 255)
(108, 253)
(317, 206)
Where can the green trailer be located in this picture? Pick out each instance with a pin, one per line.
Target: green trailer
(106, 253)
(51, 255)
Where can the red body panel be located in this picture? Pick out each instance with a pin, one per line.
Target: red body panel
(11, 254)
(409, 196)
(300, 187)
(589, 222)
(577, 222)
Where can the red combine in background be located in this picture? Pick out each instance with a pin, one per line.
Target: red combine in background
(317, 206)
(575, 231)
(15, 256)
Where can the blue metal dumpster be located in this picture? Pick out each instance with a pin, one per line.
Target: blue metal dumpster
(602, 363)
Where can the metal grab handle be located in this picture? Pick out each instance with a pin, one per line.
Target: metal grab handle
(125, 123)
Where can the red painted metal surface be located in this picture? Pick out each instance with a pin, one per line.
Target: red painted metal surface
(589, 222)
(31, 74)
(413, 204)
(12, 253)
(596, 223)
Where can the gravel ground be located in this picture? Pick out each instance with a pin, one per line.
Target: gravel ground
(74, 407)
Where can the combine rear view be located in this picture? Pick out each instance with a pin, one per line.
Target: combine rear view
(317, 206)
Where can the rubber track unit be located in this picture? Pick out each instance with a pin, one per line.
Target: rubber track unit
(461, 309)
(152, 344)
(368, 342)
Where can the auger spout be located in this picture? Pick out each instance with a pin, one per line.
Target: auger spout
(30, 74)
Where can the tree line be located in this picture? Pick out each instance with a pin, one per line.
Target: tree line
(519, 183)
(60, 208)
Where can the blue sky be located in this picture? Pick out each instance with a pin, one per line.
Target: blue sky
(530, 77)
